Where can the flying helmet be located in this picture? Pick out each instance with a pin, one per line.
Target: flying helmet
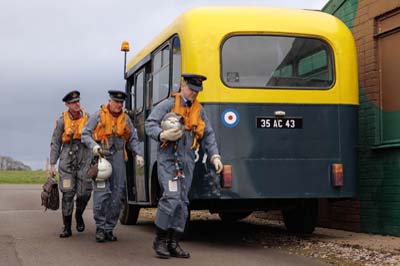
(105, 170)
(172, 120)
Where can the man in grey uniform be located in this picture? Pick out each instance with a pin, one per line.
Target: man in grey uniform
(107, 133)
(176, 161)
(74, 161)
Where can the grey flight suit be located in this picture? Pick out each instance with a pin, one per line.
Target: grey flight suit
(72, 169)
(108, 197)
(173, 206)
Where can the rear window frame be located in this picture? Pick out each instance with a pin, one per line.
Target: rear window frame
(330, 58)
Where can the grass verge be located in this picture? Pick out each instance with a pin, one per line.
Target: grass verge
(23, 177)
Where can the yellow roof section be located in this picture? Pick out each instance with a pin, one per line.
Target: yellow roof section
(203, 21)
(202, 31)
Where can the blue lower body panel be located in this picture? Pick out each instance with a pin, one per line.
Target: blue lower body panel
(281, 163)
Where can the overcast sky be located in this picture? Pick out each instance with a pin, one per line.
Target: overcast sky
(49, 48)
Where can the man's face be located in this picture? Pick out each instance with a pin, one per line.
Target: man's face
(74, 107)
(115, 106)
(187, 92)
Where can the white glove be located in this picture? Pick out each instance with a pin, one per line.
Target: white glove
(97, 150)
(216, 161)
(171, 134)
(139, 161)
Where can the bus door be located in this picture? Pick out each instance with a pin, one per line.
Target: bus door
(139, 186)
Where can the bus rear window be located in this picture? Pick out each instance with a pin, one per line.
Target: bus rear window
(266, 61)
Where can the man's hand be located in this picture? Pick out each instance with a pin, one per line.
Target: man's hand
(53, 170)
(171, 134)
(97, 151)
(216, 161)
(139, 161)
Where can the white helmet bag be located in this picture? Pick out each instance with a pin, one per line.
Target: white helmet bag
(105, 170)
(172, 120)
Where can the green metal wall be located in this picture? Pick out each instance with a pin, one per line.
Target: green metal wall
(346, 10)
(379, 165)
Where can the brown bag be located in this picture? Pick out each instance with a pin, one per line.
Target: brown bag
(93, 168)
(50, 195)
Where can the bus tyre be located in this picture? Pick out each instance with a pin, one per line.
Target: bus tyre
(302, 218)
(129, 214)
(230, 217)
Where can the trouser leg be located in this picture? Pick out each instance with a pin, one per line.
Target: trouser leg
(113, 210)
(112, 215)
(67, 205)
(81, 202)
(83, 194)
(100, 203)
(117, 188)
(172, 209)
(180, 217)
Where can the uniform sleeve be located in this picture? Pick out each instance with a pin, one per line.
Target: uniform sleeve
(209, 142)
(87, 132)
(133, 143)
(55, 145)
(153, 122)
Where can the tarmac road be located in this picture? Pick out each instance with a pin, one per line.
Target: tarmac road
(29, 237)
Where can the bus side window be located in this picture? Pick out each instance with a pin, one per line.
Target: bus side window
(176, 64)
(161, 74)
(132, 107)
(139, 82)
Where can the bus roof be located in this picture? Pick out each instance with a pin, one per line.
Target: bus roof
(202, 30)
(202, 21)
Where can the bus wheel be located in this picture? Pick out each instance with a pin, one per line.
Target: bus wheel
(233, 216)
(302, 218)
(129, 214)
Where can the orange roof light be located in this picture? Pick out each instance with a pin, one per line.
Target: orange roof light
(125, 46)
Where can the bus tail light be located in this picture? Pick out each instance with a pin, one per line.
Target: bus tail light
(337, 175)
(227, 176)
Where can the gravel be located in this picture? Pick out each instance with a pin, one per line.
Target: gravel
(332, 246)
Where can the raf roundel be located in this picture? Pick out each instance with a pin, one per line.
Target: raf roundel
(230, 118)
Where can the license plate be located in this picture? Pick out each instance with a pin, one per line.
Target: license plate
(275, 122)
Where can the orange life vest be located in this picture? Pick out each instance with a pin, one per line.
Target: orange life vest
(109, 126)
(192, 118)
(73, 128)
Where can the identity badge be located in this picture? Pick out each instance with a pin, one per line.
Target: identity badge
(173, 185)
(101, 184)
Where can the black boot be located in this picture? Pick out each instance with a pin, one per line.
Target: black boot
(80, 224)
(67, 227)
(173, 246)
(160, 244)
(100, 236)
(110, 236)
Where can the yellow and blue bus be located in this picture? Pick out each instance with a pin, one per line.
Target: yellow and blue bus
(282, 97)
